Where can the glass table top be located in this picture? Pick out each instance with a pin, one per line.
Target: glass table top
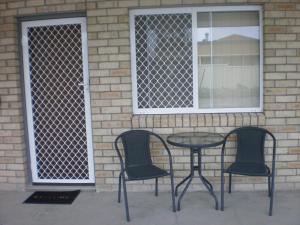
(195, 139)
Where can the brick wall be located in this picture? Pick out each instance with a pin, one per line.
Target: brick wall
(111, 101)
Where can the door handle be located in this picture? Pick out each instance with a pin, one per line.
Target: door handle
(84, 85)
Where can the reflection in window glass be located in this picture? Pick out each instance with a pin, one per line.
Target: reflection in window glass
(228, 59)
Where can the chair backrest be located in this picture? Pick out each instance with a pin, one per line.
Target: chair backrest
(250, 144)
(136, 144)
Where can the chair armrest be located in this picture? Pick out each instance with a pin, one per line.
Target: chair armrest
(119, 154)
(225, 140)
(273, 151)
(223, 148)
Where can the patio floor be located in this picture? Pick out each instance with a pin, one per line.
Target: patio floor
(92, 208)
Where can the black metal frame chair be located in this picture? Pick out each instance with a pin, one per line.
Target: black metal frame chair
(250, 160)
(138, 163)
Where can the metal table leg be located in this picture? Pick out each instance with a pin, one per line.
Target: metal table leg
(190, 177)
(206, 183)
(181, 182)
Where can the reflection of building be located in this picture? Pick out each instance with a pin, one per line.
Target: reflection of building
(233, 68)
(235, 46)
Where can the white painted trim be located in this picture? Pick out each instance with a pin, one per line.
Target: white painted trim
(182, 9)
(211, 94)
(62, 181)
(195, 62)
(261, 60)
(193, 11)
(87, 101)
(28, 102)
(25, 26)
(50, 22)
(192, 110)
(133, 62)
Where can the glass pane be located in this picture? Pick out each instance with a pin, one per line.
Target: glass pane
(235, 19)
(230, 71)
(204, 37)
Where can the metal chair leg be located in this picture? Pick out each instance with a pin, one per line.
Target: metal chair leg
(272, 195)
(173, 193)
(156, 186)
(269, 185)
(222, 189)
(222, 178)
(229, 188)
(119, 188)
(125, 199)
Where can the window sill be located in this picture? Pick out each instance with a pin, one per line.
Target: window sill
(198, 120)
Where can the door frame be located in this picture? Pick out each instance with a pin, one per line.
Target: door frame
(53, 19)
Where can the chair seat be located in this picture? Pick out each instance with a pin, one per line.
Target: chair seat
(250, 169)
(145, 172)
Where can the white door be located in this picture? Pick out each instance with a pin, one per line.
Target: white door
(56, 80)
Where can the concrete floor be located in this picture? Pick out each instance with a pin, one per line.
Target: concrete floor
(91, 208)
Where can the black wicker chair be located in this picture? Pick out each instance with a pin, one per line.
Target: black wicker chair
(138, 163)
(250, 159)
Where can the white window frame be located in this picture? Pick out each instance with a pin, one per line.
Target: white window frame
(193, 11)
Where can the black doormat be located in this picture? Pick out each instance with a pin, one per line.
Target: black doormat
(52, 197)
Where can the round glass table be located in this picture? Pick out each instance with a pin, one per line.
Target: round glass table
(195, 141)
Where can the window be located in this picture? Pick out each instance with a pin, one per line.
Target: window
(197, 60)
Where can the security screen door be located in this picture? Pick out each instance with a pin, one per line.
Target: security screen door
(57, 100)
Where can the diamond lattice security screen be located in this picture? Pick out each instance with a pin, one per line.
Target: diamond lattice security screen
(164, 66)
(56, 68)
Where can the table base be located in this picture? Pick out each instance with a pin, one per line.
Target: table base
(190, 177)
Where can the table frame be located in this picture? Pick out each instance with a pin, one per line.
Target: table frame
(190, 177)
(195, 149)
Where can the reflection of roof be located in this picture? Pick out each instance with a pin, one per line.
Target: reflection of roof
(236, 37)
(230, 45)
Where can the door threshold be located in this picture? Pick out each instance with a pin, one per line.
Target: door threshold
(60, 187)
